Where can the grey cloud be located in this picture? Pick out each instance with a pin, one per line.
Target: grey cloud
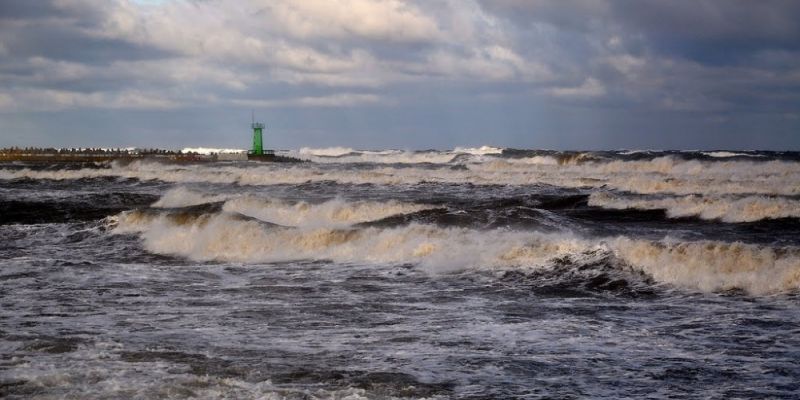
(436, 62)
(10, 10)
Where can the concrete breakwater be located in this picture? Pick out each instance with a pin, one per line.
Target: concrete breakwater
(100, 155)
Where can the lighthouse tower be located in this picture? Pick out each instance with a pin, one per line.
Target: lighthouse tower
(257, 153)
(258, 136)
(258, 141)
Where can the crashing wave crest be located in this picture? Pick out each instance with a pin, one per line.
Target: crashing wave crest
(478, 151)
(230, 237)
(336, 212)
(661, 175)
(727, 209)
(326, 152)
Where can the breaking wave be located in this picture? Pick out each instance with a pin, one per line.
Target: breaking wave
(728, 154)
(229, 236)
(332, 213)
(478, 151)
(340, 155)
(659, 175)
(336, 212)
(326, 152)
(713, 266)
(183, 197)
(744, 209)
(349, 155)
(552, 160)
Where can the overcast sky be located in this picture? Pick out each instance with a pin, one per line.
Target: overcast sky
(562, 74)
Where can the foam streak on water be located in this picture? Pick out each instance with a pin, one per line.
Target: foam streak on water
(477, 272)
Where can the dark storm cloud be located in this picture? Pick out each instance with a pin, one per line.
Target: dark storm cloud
(772, 23)
(44, 29)
(15, 10)
(65, 42)
(718, 32)
(712, 31)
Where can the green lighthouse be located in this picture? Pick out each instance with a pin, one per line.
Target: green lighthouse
(258, 142)
(257, 153)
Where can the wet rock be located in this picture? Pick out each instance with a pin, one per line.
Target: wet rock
(54, 345)
(401, 385)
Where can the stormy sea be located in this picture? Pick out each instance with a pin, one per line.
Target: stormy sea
(471, 273)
